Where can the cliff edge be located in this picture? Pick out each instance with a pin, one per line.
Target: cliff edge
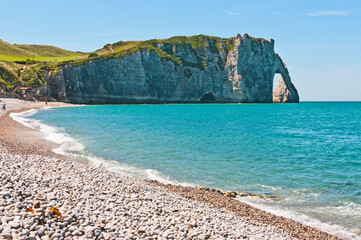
(176, 70)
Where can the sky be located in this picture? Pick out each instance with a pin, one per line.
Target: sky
(319, 40)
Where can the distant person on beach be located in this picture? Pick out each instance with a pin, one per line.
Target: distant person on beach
(4, 106)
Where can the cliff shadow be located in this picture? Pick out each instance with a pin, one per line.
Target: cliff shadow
(208, 98)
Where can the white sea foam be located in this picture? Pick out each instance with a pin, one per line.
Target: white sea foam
(67, 144)
(297, 197)
(21, 117)
(71, 147)
(273, 188)
(334, 229)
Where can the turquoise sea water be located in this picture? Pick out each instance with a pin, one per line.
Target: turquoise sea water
(308, 154)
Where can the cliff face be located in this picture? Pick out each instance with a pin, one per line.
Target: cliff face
(214, 73)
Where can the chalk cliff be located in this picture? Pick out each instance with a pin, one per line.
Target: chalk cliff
(239, 69)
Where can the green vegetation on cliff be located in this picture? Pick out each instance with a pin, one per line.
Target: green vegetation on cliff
(166, 49)
(25, 65)
(34, 59)
(120, 49)
(162, 47)
(8, 77)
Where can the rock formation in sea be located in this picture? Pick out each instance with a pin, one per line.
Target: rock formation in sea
(195, 69)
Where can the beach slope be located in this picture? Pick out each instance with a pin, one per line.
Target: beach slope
(48, 196)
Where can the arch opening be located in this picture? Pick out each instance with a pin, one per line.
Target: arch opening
(208, 98)
(276, 79)
(277, 88)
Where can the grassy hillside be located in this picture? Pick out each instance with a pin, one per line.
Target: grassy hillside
(8, 49)
(44, 50)
(29, 62)
(8, 76)
(12, 58)
(31, 50)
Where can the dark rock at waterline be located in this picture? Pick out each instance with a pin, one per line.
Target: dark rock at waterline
(239, 194)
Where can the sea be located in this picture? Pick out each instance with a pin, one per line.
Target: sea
(306, 156)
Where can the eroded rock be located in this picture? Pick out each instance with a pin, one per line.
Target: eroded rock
(213, 73)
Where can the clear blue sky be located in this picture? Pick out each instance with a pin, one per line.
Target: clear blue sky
(320, 40)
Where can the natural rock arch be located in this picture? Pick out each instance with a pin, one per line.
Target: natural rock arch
(284, 91)
(240, 69)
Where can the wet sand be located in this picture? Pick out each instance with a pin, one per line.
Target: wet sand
(17, 138)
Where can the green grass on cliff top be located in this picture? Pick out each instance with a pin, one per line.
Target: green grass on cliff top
(121, 49)
(196, 42)
(11, 58)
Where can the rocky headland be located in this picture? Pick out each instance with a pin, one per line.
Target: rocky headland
(193, 69)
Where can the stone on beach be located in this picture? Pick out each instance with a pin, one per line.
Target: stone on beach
(5, 194)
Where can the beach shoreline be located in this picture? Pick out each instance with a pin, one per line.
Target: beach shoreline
(20, 144)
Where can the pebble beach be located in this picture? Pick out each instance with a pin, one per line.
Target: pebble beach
(44, 195)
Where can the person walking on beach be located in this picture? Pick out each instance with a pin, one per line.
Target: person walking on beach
(4, 106)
